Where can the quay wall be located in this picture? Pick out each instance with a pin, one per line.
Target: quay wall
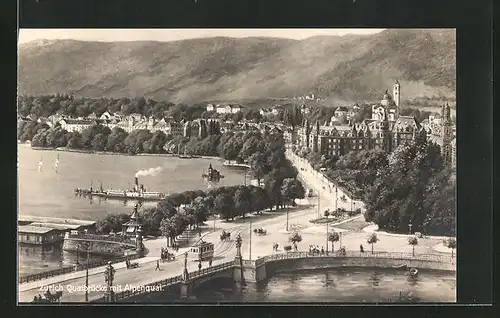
(299, 264)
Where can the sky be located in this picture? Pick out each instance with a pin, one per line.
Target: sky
(164, 35)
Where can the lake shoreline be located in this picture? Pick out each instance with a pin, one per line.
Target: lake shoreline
(110, 153)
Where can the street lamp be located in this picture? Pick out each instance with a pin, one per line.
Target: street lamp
(340, 238)
(336, 198)
(77, 254)
(327, 213)
(87, 275)
(409, 226)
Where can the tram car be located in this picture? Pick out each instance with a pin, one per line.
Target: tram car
(202, 251)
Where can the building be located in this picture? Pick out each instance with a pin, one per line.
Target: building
(341, 112)
(228, 109)
(210, 108)
(29, 234)
(386, 130)
(453, 152)
(78, 125)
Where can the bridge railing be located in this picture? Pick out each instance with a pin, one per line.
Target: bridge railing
(145, 289)
(97, 237)
(391, 255)
(72, 268)
(210, 270)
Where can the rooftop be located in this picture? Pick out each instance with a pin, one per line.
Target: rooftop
(56, 226)
(33, 229)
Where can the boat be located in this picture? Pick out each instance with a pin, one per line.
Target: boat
(138, 193)
(413, 272)
(403, 266)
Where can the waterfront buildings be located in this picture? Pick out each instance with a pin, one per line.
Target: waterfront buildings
(30, 234)
(386, 130)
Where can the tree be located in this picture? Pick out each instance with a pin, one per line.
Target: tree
(372, 239)
(333, 237)
(224, 206)
(112, 222)
(243, 200)
(292, 189)
(413, 241)
(451, 243)
(258, 165)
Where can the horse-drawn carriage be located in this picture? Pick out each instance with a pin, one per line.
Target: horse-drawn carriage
(131, 264)
(166, 256)
(260, 231)
(225, 236)
(49, 297)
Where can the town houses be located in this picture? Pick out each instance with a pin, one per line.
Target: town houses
(224, 109)
(386, 130)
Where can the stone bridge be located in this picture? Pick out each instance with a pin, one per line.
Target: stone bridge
(253, 271)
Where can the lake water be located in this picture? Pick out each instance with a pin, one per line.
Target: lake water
(50, 194)
(334, 285)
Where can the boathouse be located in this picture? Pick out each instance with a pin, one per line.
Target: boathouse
(38, 235)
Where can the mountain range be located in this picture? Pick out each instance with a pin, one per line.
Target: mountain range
(335, 68)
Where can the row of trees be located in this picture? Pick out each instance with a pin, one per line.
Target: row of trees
(47, 105)
(189, 209)
(98, 138)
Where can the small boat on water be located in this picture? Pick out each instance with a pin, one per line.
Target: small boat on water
(413, 272)
(403, 266)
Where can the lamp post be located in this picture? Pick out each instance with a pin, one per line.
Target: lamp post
(409, 226)
(327, 214)
(214, 221)
(77, 254)
(87, 275)
(354, 205)
(336, 198)
(351, 204)
(318, 203)
(340, 238)
(250, 243)
(287, 220)
(109, 275)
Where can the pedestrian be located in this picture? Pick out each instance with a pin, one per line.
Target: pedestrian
(361, 249)
(157, 265)
(199, 266)
(322, 250)
(210, 262)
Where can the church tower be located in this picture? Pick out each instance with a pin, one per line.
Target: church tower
(396, 93)
(446, 133)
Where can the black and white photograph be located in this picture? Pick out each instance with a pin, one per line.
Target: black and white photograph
(161, 166)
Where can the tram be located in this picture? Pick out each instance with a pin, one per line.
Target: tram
(202, 251)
